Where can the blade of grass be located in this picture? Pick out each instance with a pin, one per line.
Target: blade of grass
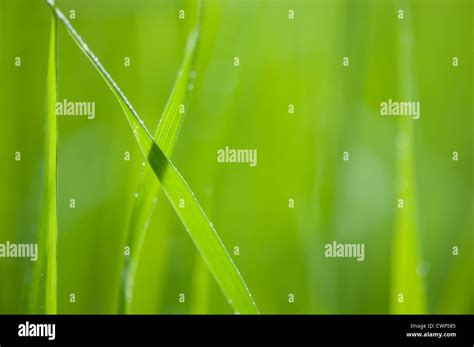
(200, 288)
(51, 178)
(48, 234)
(175, 187)
(456, 296)
(165, 136)
(405, 251)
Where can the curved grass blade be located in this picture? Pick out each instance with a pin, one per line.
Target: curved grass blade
(48, 235)
(407, 287)
(165, 136)
(175, 187)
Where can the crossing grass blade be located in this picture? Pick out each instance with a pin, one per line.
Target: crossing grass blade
(46, 266)
(165, 136)
(405, 251)
(176, 188)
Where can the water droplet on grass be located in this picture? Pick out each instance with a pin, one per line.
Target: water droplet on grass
(423, 269)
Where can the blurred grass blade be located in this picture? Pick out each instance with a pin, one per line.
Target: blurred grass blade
(165, 136)
(48, 235)
(457, 290)
(407, 288)
(200, 288)
(175, 187)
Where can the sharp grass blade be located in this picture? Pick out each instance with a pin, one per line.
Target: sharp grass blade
(51, 178)
(407, 287)
(46, 266)
(175, 187)
(165, 136)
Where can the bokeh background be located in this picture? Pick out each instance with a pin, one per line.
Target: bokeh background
(282, 62)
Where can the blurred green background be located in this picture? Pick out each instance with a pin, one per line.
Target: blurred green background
(282, 62)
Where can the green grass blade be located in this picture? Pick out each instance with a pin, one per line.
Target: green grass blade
(201, 231)
(51, 178)
(405, 251)
(46, 266)
(176, 188)
(165, 136)
(456, 295)
(200, 288)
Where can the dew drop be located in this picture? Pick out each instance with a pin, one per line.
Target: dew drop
(423, 269)
(136, 194)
